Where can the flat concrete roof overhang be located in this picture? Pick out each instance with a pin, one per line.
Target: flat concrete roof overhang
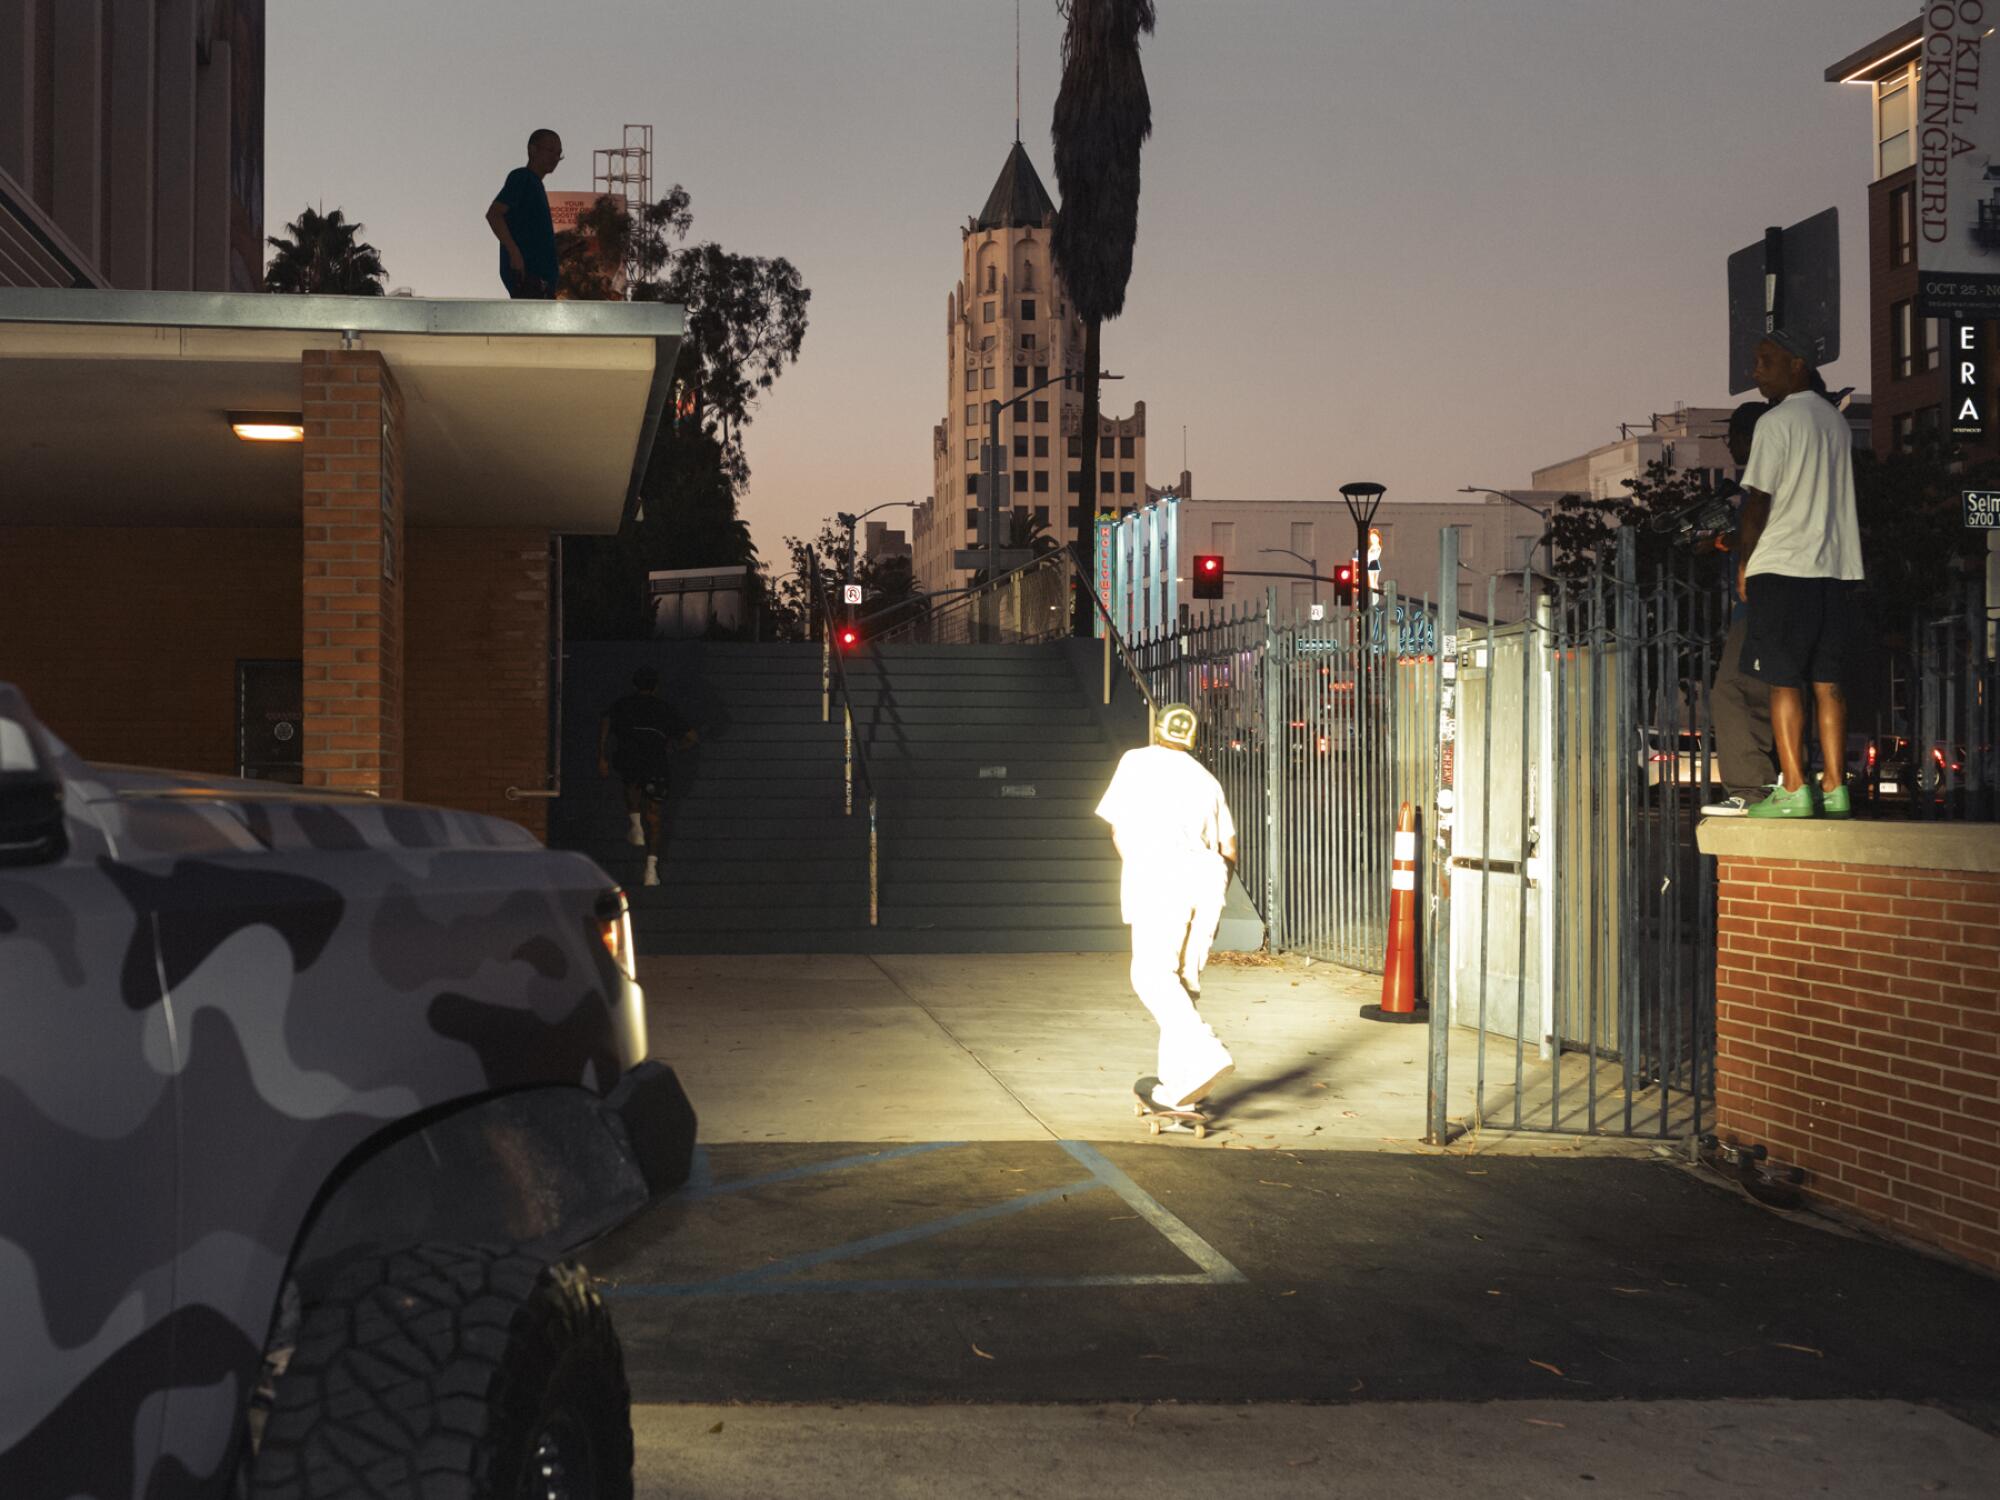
(114, 405)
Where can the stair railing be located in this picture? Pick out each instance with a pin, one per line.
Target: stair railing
(832, 677)
(1114, 644)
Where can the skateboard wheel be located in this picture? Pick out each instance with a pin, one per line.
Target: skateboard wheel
(1153, 1125)
(1200, 1132)
(1139, 1109)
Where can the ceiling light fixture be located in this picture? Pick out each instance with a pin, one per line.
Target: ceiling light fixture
(268, 426)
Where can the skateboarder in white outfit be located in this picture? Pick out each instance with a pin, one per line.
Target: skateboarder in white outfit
(1171, 823)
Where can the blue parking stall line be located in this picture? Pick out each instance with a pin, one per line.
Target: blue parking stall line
(708, 1188)
(753, 1280)
(701, 1175)
(1155, 1213)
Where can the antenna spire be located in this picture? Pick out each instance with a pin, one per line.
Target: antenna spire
(1017, 72)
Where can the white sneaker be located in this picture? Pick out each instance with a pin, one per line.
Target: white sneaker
(1215, 1065)
(636, 834)
(1728, 807)
(652, 870)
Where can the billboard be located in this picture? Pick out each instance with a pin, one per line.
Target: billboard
(1958, 175)
(565, 209)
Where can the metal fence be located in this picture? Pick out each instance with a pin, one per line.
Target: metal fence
(1933, 751)
(1030, 603)
(1317, 731)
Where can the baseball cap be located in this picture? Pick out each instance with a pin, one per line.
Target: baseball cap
(1794, 344)
(1176, 726)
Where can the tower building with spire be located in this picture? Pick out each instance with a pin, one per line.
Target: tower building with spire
(1009, 325)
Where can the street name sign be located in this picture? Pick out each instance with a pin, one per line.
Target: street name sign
(1982, 510)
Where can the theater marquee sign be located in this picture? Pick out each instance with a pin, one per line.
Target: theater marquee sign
(1958, 166)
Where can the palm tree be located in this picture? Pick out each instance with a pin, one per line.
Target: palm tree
(1103, 116)
(324, 256)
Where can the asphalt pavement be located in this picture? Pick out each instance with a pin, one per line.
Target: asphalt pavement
(928, 1242)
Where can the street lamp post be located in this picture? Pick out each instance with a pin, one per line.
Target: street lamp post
(1540, 515)
(844, 518)
(1363, 499)
(1312, 565)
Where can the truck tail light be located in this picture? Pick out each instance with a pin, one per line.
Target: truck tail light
(614, 930)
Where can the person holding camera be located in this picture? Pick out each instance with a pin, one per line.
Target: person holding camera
(520, 220)
(1799, 568)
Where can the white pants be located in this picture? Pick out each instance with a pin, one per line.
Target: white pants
(1168, 941)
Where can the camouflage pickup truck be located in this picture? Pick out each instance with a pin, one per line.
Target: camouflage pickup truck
(304, 1101)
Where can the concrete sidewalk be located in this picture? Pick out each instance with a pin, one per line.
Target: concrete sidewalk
(1042, 1046)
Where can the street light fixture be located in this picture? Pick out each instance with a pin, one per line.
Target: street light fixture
(847, 519)
(1363, 499)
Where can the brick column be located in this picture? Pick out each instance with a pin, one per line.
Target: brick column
(353, 594)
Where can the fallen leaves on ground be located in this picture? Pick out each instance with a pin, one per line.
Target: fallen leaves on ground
(1268, 1183)
(715, 1429)
(1542, 1364)
(1631, 1291)
(1160, 1357)
(1803, 1349)
(1543, 1422)
(980, 1352)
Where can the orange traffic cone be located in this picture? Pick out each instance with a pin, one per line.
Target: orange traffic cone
(1399, 965)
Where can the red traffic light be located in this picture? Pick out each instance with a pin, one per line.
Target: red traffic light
(1209, 575)
(848, 636)
(1343, 583)
(1343, 574)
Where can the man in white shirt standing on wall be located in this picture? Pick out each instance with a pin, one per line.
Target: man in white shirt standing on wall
(1171, 823)
(1800, 569)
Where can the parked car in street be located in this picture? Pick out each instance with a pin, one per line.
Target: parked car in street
(1684, 759)
(307, 1101)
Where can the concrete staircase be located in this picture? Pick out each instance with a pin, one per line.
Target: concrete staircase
(987, 762)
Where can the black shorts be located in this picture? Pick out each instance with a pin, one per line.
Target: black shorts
(635, 771)
(1801, 630)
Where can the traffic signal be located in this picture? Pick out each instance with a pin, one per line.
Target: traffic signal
(1209, 576)
(848, 637)
(1343, 584)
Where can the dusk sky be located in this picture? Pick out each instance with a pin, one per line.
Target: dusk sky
(1428, 242)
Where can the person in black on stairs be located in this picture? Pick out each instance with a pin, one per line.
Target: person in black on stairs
(635, 738)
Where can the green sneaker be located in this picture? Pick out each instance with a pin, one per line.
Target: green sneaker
(1836, 803)
(1783, 804)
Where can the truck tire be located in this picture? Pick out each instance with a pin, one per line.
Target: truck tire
(447, 1372)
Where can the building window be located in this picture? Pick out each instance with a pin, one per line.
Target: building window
(972, 520)
(1930, 426)
(1041, 446)
(1028, 277)
(1106, 447)
(1106, 482)
(1125, 482)
(1076, 447)
(1042, 483)
(1020, 377)
(1128, 447)
(1302, 537)
(1041, 374)
(972, 414)
(986, 313)
(1027, 309)
(1042, 511)
(1902, 340)
(1903, 431)
(1020, 445)
(1075, 485)
(972, 485)
(1895, 100)
(1041, 411)
(1903, 226)
(971, 378)
(986, 343)
(986, 378)
(992, 273)
(1027, 341)
(1020, 482)
(972, 447)
(1076, 516)
(1928, 352)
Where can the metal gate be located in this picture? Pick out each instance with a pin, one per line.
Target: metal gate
(1317, 730)
(1582, 915)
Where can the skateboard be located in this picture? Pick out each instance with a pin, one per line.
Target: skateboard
(1158, 1119)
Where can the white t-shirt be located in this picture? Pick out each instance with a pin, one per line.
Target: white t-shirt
(1171, 820)
(1803, 457)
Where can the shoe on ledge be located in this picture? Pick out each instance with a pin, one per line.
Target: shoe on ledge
(1783, 804)
(1836, 803)
(1732, 806)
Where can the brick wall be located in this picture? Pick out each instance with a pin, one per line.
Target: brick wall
(1858, 1033)
(126, 639)
(353, 539)
(476, 669)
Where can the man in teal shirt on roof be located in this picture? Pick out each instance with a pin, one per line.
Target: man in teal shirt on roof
(519, 218)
